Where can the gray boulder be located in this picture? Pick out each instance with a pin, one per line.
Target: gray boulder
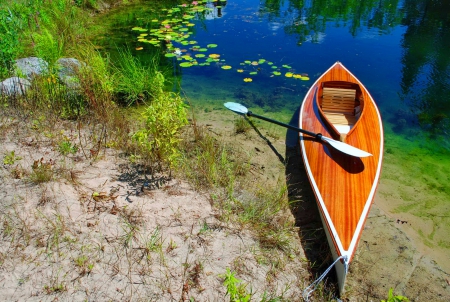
(31, 67)
(14, 86)
(68, 69)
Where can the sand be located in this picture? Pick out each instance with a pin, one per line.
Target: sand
(105, 230)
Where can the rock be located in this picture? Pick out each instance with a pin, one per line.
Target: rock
(31, 67)
(14, 86)
(68, 69)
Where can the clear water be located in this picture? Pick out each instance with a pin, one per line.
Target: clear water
(400, 50)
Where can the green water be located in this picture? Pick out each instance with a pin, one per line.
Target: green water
(400, 50)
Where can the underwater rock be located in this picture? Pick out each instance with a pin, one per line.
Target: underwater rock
(14, 86)
(31, 67)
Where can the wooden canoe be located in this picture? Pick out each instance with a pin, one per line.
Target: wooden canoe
(339, 106)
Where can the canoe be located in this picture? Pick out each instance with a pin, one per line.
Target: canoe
(339, 106)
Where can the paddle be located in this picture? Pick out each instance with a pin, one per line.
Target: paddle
(343, 147)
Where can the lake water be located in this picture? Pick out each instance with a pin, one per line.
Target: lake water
(400, 50)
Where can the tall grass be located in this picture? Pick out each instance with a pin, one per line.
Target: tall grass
(135, 82)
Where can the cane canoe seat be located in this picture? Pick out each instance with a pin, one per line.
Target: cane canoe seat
(339, 106)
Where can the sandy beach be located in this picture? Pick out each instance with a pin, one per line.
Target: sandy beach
(105, 230)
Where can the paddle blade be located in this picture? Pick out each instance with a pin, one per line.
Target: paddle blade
(346, 148)
(236, 107)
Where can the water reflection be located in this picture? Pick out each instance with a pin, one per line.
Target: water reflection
(425, 84)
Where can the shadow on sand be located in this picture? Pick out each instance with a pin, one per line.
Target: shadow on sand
(305, 211)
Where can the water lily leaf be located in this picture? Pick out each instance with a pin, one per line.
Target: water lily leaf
(296, 76)
(304, 78)
(240, 70)
(190, 24)
(248, 80)
(226, 67)
(169, 55)
(287, 66)
(214, 56)
(155, 20)
(247, 62)
(187, 57)
(199, 55)
(277, 73)
(202, 49)
(137, 28)
(274, 67)
(183, 29)
(288, 74)
(143, 35)
(254, 63)
(270, 63)
(186, 64)
(188, 17)
(253, 72)
(211, 45)
(261, 61)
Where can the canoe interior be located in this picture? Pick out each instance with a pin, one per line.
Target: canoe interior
(340, 105)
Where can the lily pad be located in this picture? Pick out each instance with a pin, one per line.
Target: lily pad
(253, 73)
(186, 64)
(214, 56)
(304, 78)
(240, 70)
(169, 55)
(288, 74)
(226, 67)
(199, 55)
(248, 80)
(137, 28)
(277, 73)
(287, 66)
(211, 45)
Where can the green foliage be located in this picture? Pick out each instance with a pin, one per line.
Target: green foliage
(11, 158)
(135, 81)
(235, 289)
(160, 137)
(392, 298)
(66, 147)
(48, 47)
(9, 41)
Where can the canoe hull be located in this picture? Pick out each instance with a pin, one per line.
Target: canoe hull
(344, 185)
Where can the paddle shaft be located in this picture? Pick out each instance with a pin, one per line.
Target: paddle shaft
(316, 135)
